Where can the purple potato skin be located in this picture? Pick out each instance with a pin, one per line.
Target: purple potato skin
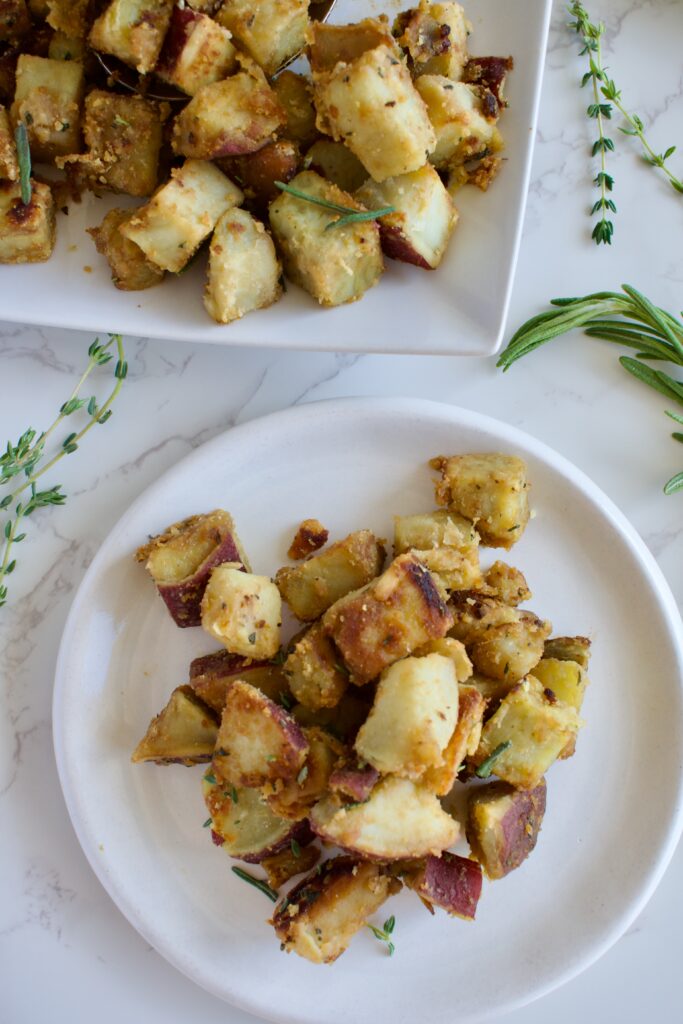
(396, 246)
(220, 663)
(353, 781)
(503, 824)
(450, 882)
(184, 599)
(177, 35)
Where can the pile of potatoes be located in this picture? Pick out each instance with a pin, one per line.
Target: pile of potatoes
(393, 118)
(404, 682)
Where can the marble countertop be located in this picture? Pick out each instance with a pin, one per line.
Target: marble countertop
(57, 925)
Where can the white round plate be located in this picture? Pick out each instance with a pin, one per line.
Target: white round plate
(614, 810)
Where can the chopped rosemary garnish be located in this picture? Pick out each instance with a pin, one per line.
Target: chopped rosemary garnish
(349, 214)
(233, 795)
(258, 883)
(121, 122)
(210, 778)
(486, 767)
(24, 158)
(285, 700)
(384, 933)
(295, 848)
(206, 823)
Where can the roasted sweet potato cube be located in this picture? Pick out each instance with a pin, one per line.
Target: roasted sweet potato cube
(27, 231)
(354, 778)
(238, 115)
(48, 100)
(413, 716)
(271, 31)
(310, 536)
(463, 118)
(569, 648)
(400, 820)
(133, 31)
(445, 542)
(258, 741)
(295, 96)
(14, 21)
(434, 35)
(463, 742)
(196, 51)
(310, 589)
(69, 17)
(491, 490)
(330, 45)
(334, 266)
(184, 732)
(212, 675)
(326, 909)
(313, 671)
(503, 825)
(173, 224)
(242, 611)
(244, 271)
(130, 270)
(510, 651)
(9, 165)
(295, 797)
(180, 561)
(507, 583)
(423, 219)
(243, 824)
(450, 882)
(336, 163)
(123, 137)
(536, 727)
(386, 620)
(293, 860)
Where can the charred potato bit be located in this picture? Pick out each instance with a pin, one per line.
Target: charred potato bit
(324, 911)
(212, 675)
(243, 824)
(386, 620)
(184, 732)
(491, 490)
(130, 270)
(445, 542)
(242, 611)
(313, 671)
(503, 824)
(569, 648)
(257, 172)
(27, 231)
(490, 72)
(434, 35)
(293, 860)
(463, 742)
(310, 589)
(14, 20)
(310, 536)
(450, 882)
(244, 271)
(196, 51)
(181, 559)
(133, 31)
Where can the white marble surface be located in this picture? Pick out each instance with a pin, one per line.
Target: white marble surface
(66, 952)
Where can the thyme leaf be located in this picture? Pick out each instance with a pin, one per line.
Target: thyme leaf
(383, 934)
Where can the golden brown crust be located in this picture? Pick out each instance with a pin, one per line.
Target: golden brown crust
(310, 536)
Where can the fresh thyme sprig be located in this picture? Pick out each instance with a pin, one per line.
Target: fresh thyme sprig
(385, 932)
(627, 319)
(591, 35)
(24, 160)
(22, 464)
(637, 128)
(350, 216)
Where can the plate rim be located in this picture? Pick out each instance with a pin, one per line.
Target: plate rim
(386, 407)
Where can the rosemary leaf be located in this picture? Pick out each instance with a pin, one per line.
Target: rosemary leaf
(350, 214)
(485, 769)
(24, 158)
(257, 884)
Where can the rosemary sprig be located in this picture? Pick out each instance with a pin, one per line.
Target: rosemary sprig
(384, 933)
(591, 35)
(485, 769)
(350, 216)
(257, 883)
(24, 463)
(627, 319)
(24, 159)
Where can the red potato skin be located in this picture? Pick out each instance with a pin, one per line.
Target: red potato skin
(184, 599)
(221, 663)
(212, 675)
(396, 246)
(179, 32)
(518, 827)
(450, 882)
(354, 782)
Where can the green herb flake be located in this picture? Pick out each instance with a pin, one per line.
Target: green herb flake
(383, 934)
(207, 823)
(233, 795)
(295, 848)
(485, 769)
(24, 158)
(257, 884)
(350, 215)
(121, 122)
(210, 778)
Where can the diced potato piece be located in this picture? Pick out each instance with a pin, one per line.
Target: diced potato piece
(503, 824)
(212, 675)
(336, 163)
(569, 648)
(310, 589)
(313, 671)
(243, 612)
(257, 172)
(463, 743)
(133, 31)
(463, 118)
(537, 728)
(244, 271)
(336, 265)
(491, 73)
(492, 690)
(413, 716)
(64, 47)
(424, 217)
(491, 490)
(180, 561)
(69, 17)
(196, 51)
(294, 93)
(508, 584)
(271, 31)
(123, 137)
(291, 861)
(238, 115)
(400, 820)
(342, 721)
(330, 45)
(178, 218)
(130, 271)
(511, 650)
(450, 882)
(184, 732)
(48, 100)
(452, 649)
(445, 542)
(354, 778)
(258, 741)
(14, 20)
(294, 799)
(390, 617)
(326, 909)
(27, 232)
(565, 679)
(372, 105)
(9, 165)
(435, 38)
(310, 536)
(244, 825)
